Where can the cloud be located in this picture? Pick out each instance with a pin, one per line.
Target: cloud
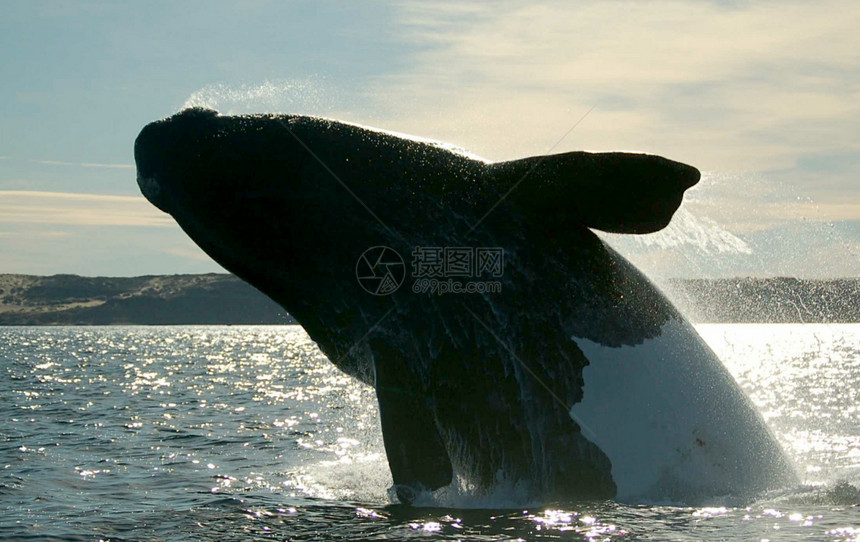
(762, 95)
(753, 202)
(92, 234)
(84, 164)
(730, 87)
(70, 209)
(99, 250)
(31, 234)
(190, 252)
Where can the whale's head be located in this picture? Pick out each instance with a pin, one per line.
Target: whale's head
(198, 159)
(169, 155)
(233, 183)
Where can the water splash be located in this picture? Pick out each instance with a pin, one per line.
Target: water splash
(691, 229)
(746, 225)
(307, 96)
(698, 232)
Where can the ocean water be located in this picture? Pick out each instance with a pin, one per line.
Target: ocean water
(248, 433)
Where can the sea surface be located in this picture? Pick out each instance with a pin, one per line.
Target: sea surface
(249, 433)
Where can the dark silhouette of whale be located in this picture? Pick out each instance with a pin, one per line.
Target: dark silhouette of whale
(576, 380)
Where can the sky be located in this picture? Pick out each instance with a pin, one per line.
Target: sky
(763, 97)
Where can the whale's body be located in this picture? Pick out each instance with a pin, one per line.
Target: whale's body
(576, 380)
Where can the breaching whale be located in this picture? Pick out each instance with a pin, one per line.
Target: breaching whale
(577, 380)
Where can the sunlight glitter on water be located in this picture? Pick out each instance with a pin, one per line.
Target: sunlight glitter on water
(805, 380)
(95, 445)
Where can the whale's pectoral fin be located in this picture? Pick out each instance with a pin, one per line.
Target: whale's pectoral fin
(416, 453)
(611, 191)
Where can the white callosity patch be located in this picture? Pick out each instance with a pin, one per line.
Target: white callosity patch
(673, 422)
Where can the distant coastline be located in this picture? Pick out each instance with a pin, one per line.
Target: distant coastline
(148, 300)
(224, 299)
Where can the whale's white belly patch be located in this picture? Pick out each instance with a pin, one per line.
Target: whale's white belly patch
(671, 419)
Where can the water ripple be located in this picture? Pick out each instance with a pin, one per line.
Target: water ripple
(248, 433)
